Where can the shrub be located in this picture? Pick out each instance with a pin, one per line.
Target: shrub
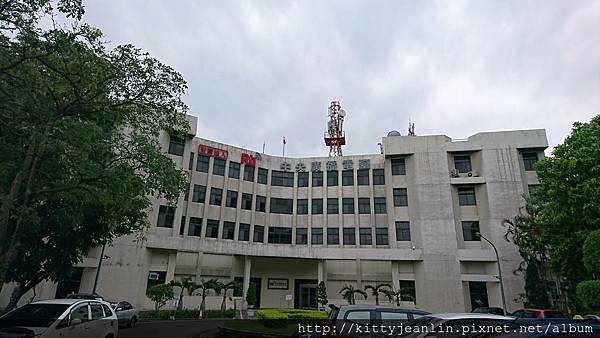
(591, 252)
(160, 294)
(282, 317)
(589, 293)
(185, 314)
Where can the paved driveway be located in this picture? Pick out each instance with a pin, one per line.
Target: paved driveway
(173, 329)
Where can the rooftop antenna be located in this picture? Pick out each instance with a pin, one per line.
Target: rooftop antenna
(411, 128)
(335, 137)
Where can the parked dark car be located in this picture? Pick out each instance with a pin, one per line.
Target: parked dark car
(490, 310)
(347, 318)
(545, 328)
(538, 313)
(127, 314)
(452, 325)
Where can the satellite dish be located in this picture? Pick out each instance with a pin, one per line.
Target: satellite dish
(342, 113)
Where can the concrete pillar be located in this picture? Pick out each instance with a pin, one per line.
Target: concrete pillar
(171, 266)
(395, 275)
(320, 271)
(247, 268)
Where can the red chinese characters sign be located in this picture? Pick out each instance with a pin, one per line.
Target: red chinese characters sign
(213, 152)
(248, 159)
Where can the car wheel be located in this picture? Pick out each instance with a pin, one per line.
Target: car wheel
(132, 322)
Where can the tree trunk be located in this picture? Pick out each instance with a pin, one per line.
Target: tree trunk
(202, 305)
(180, 303)
(224, 300)
(377, 299)
(14, 297)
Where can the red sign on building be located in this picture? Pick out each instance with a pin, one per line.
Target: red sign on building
(248, 159)
(213, 152)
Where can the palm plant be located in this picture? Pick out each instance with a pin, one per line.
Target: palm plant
(400, 295)
(184, 284)
(348, 292)
(205, 286)
(222, 289)
(377, 289)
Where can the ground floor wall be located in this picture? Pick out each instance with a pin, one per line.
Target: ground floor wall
(441, 284)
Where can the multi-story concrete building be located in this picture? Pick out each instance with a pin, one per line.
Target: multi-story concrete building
(410, 216)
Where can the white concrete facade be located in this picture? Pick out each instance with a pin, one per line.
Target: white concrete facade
(435, 257)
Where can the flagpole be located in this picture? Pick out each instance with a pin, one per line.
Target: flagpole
(283, 149)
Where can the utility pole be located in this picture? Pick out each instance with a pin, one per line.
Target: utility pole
(98, 269)
(499, 272)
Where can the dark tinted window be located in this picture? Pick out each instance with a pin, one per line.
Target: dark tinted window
(407, 291)
(333, 206)
(333, 236)
(234, 170)
(212, 228)
(259, 234)
(166, 216)
(365, 236)
(202, 163)
(97, 312)
(379, 205)
(263, 175)
(282, 178)
(176, 145)
(317, 206)
(400, 197)
(301, 236)
(216, 196)
(529, 159)
(362, 176)
(381, 236)
(402, 231)
(349, 236)
(228, 230)
(246, 201)
(34, 315)
(261, 203)
(248, 173)
(195, 227)
(281, 205)
(81, 312)
(364, 205)
(302, 206)
(398, 166)
(316, 236)
(199, 195)
(470, 230)
(332, 178)
(317, 178)
(231, 199)
(378, 177)
(303, 179)
(466, 196)
(218, 167)
(244, 232)
(280, 235)
(348, 177)
(348, 205)
(462, 163)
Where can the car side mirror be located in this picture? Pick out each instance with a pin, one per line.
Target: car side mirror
(76, 321)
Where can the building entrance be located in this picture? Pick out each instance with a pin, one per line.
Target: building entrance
(305, 293)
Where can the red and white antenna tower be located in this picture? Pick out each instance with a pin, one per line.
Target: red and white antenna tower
(335, 137)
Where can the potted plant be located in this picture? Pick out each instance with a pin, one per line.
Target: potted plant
(251, 296)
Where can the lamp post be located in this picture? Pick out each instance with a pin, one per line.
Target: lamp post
(499, 272)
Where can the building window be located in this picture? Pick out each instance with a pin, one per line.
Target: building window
(470, 230)
(191, 161)
(182, 226)
(228, 230)
(303, 179)
(317, 178)
(301, 236)
(317, 206)
(262, 175)
(216, 196)
(407, 291)
(244, 232)
(349, 236)
(154, 278)
(347, 205)
(234, 170)
(333, 236)
(176, 145)
(302, 207)
(332, 178)
(398, 167)
(347, 177)
(378, 177)
(246, 201)
(202, 163)
(316, 236)
(364, 205)
(280, 235)
(195, 227)
(259, 234)
(381, 236)
(231, 199)
(212, 228)
(379, 205)
(400, 197)
(478, 294)
(365, 236)
(466, 196)
(166, 216)
(248, 173)
(282, 178)
(402, 231)
(362, 176)
(261, 203)
(218, 167)
(462, 163)
(199, 195)
(282, 206)
(333, 206)
(529, 159)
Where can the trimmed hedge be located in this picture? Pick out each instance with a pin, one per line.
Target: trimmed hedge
(283, 317)
(185, 314)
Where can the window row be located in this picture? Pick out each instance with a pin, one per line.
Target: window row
(283, 235)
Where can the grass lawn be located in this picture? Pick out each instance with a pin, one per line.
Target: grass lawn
(256, 326)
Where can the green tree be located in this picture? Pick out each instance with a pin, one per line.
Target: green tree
(377, 289)
(591, 253)
(251, 294)
(185, 284)
(222, 288)
(160, 294)
(322, 294)
(205, 286)
(570, 199)
(79, 147)
(349, 293)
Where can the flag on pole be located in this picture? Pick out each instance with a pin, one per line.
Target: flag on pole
(284, 140)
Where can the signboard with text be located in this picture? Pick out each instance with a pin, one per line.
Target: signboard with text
(212, 152)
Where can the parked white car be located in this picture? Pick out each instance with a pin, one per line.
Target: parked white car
(60, 318)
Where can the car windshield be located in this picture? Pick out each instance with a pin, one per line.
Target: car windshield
(33, 315)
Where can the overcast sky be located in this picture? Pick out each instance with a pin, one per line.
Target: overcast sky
(261, 70)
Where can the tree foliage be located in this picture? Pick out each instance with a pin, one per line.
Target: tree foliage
(591, 253)
(377, 289)
(349, 293)
(160, 294)
(186, 284)
(322, 294)
(79, 148)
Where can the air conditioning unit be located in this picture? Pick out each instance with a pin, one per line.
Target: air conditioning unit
(454, 173)
(473, 174)
(153, 276)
